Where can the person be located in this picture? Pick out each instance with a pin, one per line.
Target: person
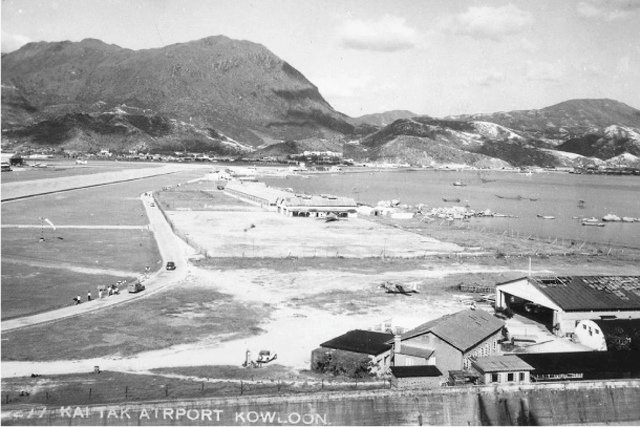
(78, 300)
(89, 296)
(110, 290)
(100, 293)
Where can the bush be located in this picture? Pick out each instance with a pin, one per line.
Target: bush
(341, 363)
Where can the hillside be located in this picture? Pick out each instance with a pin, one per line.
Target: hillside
(383, 119)
(217, 85)
(566, 119)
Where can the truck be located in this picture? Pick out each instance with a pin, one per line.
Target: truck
(135, 286)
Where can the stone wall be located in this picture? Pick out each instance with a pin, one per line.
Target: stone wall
(586, 402)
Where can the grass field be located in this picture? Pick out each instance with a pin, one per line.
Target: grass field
(116, 204)
(174, 317)
(38, 276)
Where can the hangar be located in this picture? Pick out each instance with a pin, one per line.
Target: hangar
(561, 302)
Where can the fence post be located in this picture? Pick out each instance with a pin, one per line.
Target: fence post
(241, 387)
(126, 392)
(166, 390)
(89, 392)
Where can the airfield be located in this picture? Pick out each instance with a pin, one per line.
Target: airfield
(246, 278)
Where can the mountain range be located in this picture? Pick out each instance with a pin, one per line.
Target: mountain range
(232, 97)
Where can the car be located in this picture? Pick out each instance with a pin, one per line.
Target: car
(171, 265)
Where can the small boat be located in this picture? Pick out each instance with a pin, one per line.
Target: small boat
(459, 184)
(453, 200)
(593, 224)
(546, 216)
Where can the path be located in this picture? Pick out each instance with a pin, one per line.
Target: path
(171, 249)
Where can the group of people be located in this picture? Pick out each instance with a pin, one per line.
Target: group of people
(109, 290)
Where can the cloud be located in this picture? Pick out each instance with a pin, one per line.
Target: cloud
(11, 42)
(487, 78)
(544, 72)
(387, 34)
(610, 10)
(486, 22)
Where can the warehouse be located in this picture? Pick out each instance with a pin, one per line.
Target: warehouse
(586, 365)
(317, 206)
(450, 342)
(560, 302)
(256, 193)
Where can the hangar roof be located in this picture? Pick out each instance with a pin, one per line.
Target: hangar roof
(581, 293)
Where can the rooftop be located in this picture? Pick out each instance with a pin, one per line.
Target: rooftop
(415, 351)
(462, 330)
(578, 293)
(360, 341)
(324, 200)
(502, 364)
(415, 371)
(587, 362)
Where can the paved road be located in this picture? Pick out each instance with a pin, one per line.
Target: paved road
(171, 249)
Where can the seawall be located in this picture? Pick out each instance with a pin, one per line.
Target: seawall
(587, 402)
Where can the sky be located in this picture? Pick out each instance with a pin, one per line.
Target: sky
(435, 57)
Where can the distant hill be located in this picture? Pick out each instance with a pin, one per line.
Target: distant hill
(233, 97)
(564, 120)
(234, 88)
(383, 119)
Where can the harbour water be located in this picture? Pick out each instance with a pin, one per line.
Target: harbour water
(522, 195)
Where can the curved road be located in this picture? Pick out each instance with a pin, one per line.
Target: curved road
(171, 249)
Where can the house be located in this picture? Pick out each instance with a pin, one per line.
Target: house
(358, 343)
(560, 302)
(317, 206)
(425, 376)
(450, 342)
(502, 369)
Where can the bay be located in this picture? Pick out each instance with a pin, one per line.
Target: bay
(522, 195)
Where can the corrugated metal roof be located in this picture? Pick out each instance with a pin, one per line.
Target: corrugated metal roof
(415, 371)
(581, 293)
(462, 330)
(502, 364)
(359, 341)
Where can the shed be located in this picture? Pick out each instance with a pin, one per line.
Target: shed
(502, 369)
(426, 376)
(373, 345)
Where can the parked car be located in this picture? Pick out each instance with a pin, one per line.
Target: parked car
(171, 265)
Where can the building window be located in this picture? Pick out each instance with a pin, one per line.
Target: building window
(494, 378)
(521, 375)
(510, 376)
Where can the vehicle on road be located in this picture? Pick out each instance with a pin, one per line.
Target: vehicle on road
(135, 287)
(171, 265)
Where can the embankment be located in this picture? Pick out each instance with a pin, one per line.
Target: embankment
(602, 402)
